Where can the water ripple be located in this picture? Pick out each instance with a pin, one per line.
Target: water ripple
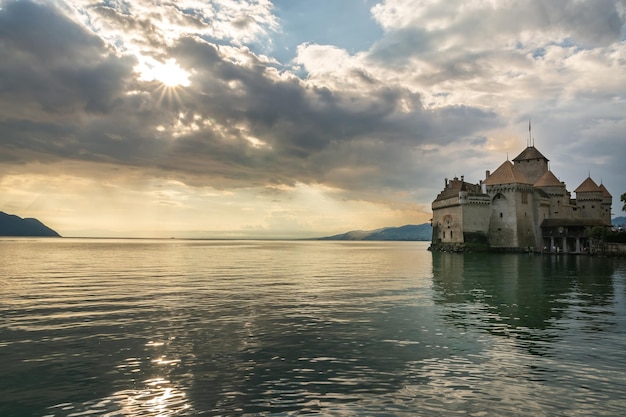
(166, 328)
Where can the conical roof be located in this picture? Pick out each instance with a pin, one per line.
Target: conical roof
(507, 174)
(530, 153)
(605, 192)
(548, 180)
(588, 186)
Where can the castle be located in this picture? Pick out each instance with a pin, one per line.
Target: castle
(520, 206)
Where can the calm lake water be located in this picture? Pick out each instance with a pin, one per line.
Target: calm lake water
(175, 327)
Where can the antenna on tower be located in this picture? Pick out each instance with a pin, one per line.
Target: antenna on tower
(529, 132)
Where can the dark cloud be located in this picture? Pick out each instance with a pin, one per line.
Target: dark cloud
(43, 34)
(49, 64)
(313, 130)
(81, 103)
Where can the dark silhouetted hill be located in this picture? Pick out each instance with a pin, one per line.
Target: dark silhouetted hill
(11, 225)
(421, 232)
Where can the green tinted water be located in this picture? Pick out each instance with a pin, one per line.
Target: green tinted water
(139, 327)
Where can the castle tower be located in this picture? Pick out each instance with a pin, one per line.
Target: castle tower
(448, 214)
(607, 201)
(589, 200)
(460, 214)
(512, 213)
(557, 193)
(531, 163)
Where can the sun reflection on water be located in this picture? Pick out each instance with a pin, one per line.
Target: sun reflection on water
(159, 398)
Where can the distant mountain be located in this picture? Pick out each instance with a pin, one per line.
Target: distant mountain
(422, 232)
(11, 225)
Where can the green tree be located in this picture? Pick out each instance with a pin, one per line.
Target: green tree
(623, 198)
(597, 232)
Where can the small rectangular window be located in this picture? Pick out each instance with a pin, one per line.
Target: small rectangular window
(500, 215)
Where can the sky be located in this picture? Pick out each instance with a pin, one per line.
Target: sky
(295, 118)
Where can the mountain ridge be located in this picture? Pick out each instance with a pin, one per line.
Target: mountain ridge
(410, 232)
(12, 225)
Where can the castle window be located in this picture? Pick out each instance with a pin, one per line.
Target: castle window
(593, 206)
(524, 197)
(450, 234)
(444, 234)
(500, 215)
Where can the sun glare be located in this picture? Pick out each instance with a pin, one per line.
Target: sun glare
(168, 73)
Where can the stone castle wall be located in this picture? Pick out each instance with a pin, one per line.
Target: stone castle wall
(507, 212)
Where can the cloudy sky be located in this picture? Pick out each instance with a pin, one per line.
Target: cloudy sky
(295, 118)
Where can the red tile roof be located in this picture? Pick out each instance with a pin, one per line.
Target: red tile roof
(548, 180)
(605, 192)
(507, 174)
(530, 153)
(588, 186)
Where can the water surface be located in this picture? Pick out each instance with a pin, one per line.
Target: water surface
(174, 327)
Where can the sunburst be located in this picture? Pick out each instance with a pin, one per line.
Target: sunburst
(169, 77)
(168, 73)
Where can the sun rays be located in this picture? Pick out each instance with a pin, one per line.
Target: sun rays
(169, 78)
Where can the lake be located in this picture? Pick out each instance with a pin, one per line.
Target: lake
(192, 327)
